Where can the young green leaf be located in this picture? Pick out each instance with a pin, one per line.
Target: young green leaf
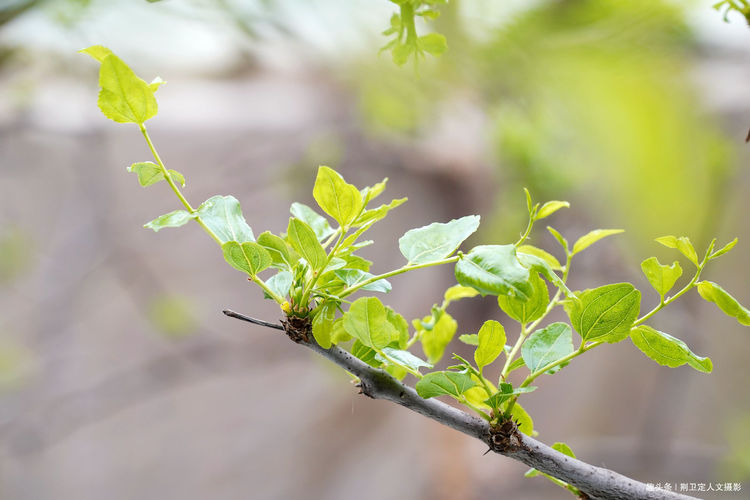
(525, 422)
(401, 53)
(469, 339)
(682, 244)
(494, 270)
(317, 222)
(539, 265)
(712, 292)
(366, 321)
(661, 277)
(444, 383)
(353, 277)
(339, 335)
(551, 207)
(547, 346)
(435, 341)
(437, 240)
(562, 448)
(280, 252)
(150, 173)
(370, 217)
(365, 353)
(172, 219)
(305, 242)
(369, 193)
(336, 197)
(667, 350)
(723, 250)
(280, 283)
(248, 257)
(403, 358)
(559, 237)
(123, 97)
(592, 237)
(433, 43)
(400, 327)
(458, 292)
(491, 339)
(526, 311)
(550, 259)
(505, 392)
(223, 215)
(605, 313)
(322, 324)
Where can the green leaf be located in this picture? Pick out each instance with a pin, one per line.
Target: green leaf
(369, 193)
(547, 346)
(559, 237)
(444, 383)
(505, 392)
(280, 283)
(605, 313)
(433, 43)
(223, 216)
(305, 242)
(551, 207)
(534, 263)
(564, 449)
(366, 321)
(682, 244)
(525, 423)
(589, 239)
(403, 358)
(317, 222)
(469, 339)
(661, 277)
(723, 250)
(322, 324)
(365, 353)
(400, 327)
(278, 248)
(731, 307)
(156, 83)
(526, 311)
(494, 270)
(401, 53)
(172, 219)
(248, 256)
(436, 340)
(336, 197)
(491, 342)
(550, 259)
(123, 97)
(150, 173)
(353, 277)
(667, 350)
(370, 217)
(339, 334)
(437, 240)
(458, 292)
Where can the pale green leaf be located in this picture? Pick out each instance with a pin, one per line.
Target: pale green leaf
(280, 252)
(336, 197)
(547, 346)
(469, 339)
(437, 240)
(551, 207)
(505, 392)
(458, 292)
(605, 313)
(491, 342)
(723, 250)
(248, 256)
(317, 222)
(494, 270)
(524, 420)
(592, 237)
(667, 350)
(526, 311)
(172, 219)
(731, 307)
(98, 52)
(150, 173)
(433, 43)
(436, 340)
(403, 358)
(369, 217)
(365, 353)
(280, 283)
(559, 237)
(366, 321)
(682, 244)
(661, 277)
(305, 242)
(401, 53)
(400, 327)
(550, 259)
(223, 215)
(444, 383)
(339, 334)
(322, 324)
(354, 277)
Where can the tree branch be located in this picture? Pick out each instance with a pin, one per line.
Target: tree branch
(595, 482)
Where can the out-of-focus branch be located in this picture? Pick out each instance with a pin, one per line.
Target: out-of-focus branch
(594, 482)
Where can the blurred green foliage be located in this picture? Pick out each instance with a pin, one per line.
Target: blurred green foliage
(172, 315)
(16, 253)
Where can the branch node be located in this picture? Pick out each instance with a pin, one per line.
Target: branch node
(505, 437)
(298, 329)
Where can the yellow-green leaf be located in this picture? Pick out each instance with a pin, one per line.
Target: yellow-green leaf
(248, 256)
(491, 339)
(336, 197)
(592, 237)
(731, 307)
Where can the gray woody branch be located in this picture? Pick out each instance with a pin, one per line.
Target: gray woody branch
(595, 482)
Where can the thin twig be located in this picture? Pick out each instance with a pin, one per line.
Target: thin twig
(254, 321)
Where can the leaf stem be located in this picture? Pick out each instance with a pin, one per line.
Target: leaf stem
(481, 412)
(173, 185)
(665, 302)
(512, 354)
(395, 272)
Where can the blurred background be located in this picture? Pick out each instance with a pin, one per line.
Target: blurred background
(119, 376)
